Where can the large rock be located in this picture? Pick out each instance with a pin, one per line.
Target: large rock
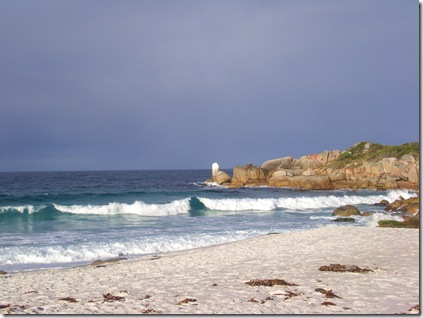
(222, 177)
(336, 175)
(413, 173)
(249, 174)
(408, 158)
(240, 174)
(276, 164)
(315, 182)
(391, 166)
(308, 162)
(346, 210)
(215, 170)
(256, 173)
(387, 183)
(303, 182)
(282, 182)
(374, 168)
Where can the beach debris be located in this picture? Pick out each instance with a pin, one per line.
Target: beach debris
(186, 301)
(69, 299)
(3, 273)
(214, 284)
(146, 297)
(327, 293)
(31, 292)
(155, 257)
(269, 282)
(252, 300)
(110, 297)
(13, 308)
(290, 294)
(344, 268)
(413, 310)
(327, 303)
(110, 260)
(261, 301)
(149, 311)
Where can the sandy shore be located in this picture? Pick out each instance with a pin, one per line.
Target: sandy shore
(213, 279)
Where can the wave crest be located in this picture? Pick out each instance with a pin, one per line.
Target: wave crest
(300, 203)
(138, 208)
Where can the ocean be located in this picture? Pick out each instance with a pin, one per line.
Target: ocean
(65, 219)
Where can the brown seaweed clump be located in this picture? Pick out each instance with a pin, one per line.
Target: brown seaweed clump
(110, 297)
(186, 301)
(69, 299)
(269, 282)
(327, 293)
(344, 268)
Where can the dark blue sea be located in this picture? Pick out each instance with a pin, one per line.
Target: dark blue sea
(63, 219)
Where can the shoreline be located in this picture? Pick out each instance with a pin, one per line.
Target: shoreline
(208, 280)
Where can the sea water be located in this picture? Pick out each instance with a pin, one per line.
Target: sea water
(63, 219)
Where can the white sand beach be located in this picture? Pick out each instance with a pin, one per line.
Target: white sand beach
(213, 279)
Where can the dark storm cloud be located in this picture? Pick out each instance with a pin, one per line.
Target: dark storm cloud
(180, 84)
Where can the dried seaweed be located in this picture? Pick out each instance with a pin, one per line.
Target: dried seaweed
(327, 293)
(149, 311)
(110, 297)
(186, 300)
(327, 303)
(4, 306)
(269, 282)
(146, 297)
(69, 299)
(262, 301)
(290, 294)
(416, 307)
(344, 268)
(252, 300)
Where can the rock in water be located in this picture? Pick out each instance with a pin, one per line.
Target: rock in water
(346, 210)
(215, 170)
(222, 177)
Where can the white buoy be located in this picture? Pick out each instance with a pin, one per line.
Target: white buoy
(215, 170)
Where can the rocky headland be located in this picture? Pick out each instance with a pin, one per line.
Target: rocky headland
(366, 165)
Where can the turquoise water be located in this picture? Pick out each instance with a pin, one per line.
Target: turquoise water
(61, 219)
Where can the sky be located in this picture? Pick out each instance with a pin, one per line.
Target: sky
(179, 84)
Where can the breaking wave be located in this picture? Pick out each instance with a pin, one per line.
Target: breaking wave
(196, 204)
(300, 203)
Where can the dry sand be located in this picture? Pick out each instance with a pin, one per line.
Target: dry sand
(213, 279)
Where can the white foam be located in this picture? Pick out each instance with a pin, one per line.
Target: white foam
(21, 209)
(138, 207)
(373, 220)
(301, 203)
(90, 251)
(370, 221)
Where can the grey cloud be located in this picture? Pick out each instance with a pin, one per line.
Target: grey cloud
(130, 84)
